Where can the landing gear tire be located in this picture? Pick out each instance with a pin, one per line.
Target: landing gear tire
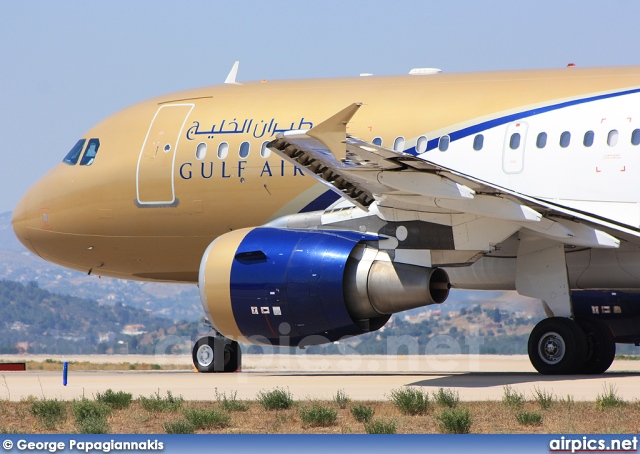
(557, 346)
(213, 354)
(601, 346)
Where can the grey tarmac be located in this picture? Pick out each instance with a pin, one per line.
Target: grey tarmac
(475, 377)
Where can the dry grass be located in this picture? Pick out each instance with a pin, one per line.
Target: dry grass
(487, 417)
(86, 365)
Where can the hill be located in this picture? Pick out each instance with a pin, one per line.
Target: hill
(34, 320)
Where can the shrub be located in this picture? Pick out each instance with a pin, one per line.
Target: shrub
(454, 421)
(446, 398)
(544, 398)
(181, 426)
(207, 419)
(341, 399)
(115, 400)
(318, 416)
(528, 418)
(156, 403)
(91, 416)
(609, 398)
(512, 398)
(410, 401)
(50, 412)
(380, 426)
(93, 425)
(276, 399)
(231, 403)
(362, 412)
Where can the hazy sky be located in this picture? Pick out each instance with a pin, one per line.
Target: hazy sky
(64, 66)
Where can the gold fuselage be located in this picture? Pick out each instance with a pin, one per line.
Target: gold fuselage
(89, 217)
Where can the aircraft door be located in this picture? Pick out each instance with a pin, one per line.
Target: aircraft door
(513, 150)
(155, 173)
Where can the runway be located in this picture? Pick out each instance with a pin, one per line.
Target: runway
(476, 378)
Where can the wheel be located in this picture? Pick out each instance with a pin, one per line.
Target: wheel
(212, 354)
(601, 346)
(557, 346)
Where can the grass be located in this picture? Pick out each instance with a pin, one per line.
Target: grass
(527, 418)
(115, 400)
(380, 426)
(454, 421)
(512, 398)
(566, 416)
(318, 416)
(362, 413)
(276, 399)
(156, 403)
(182, 426)
(341, 399)
(410, 401)
(50, 364)
(231, 403)
(50, 412)
(446, 398)
(91, 416)
(544, 398)
(609, 398)
(207, 418)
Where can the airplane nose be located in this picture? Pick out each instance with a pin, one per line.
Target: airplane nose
(19, 222)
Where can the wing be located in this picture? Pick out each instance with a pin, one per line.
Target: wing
(397, 185)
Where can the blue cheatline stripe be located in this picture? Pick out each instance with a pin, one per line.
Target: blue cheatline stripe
(321, 202)
(474, 129)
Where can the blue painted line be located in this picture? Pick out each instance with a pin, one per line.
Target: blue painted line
(480, 127)
(321, 202)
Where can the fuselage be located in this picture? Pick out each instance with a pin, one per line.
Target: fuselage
(173, 173)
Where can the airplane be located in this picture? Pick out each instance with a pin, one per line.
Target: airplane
(308, 211)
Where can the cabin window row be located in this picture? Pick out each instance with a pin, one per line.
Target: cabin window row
(588, 139)
(223, 150)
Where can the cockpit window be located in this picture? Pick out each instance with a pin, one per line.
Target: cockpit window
(90, 154)
(72, 157)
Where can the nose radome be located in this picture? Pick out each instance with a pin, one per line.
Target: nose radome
(19, 222)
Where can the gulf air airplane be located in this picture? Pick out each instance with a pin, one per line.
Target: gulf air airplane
(312, 210)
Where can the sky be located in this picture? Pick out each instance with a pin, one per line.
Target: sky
(64, 66)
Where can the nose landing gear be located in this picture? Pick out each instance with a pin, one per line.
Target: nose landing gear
(216, 354)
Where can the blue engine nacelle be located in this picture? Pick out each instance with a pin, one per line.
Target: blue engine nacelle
(299, 287)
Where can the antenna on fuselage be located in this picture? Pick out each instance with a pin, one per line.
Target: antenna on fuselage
(231, 78)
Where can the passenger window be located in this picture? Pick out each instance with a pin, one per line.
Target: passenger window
(443, 145)
(421, 144)
(612, 138)
(565, 139)
(72, 157)
(514, 142)
(398, 144)
(223, 150)
(635, 137)
(265, 152)
(541, 141)
(201, 151)
(377, 141)
(244, 150)
(90, 154)
(588, 139)
(478, 142)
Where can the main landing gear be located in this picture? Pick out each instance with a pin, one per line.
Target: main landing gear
(559, 346)
(216, 354)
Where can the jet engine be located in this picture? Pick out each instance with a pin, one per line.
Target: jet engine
(303, 287)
